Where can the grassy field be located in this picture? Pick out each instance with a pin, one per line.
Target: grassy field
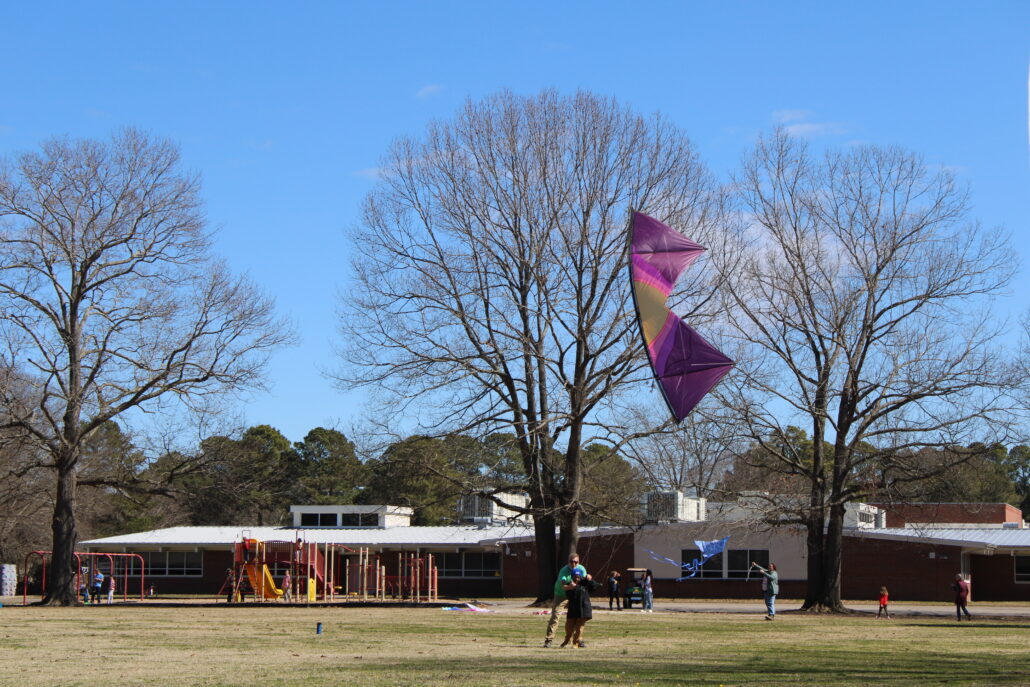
(277, 646)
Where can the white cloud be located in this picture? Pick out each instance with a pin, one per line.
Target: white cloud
(800, 123)
(815, 129)
(429, 91)
(784, 116)
(375, 173)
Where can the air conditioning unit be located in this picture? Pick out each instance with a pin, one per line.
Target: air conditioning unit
(481, 510)
(673, 506)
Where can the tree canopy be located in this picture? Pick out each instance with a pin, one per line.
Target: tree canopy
(860, 302)
(113, 301)
(490, 280)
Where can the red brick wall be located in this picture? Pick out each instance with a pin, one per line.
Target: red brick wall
(725, 589)
(906, 568)
(215, 564)
(994, 579)
(988, 513)
(600, 554)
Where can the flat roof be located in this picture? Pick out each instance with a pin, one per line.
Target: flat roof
(448, 536)
(981, 537)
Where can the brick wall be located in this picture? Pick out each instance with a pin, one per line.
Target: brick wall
(994, 579)
(600, 554)
(942, 513)
(725, 588)
(906, 568)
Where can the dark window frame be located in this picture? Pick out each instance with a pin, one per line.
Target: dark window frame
(1021, 576)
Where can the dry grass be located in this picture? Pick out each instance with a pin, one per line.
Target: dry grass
(277, 646)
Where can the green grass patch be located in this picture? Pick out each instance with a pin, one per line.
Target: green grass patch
(277, 646)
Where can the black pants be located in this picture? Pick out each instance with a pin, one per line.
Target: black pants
(960, 608)
(614, 596)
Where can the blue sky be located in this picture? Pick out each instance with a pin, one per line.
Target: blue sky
(286, 108)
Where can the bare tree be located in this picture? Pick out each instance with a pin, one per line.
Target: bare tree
(691, 456)
(491, 292)
(112, 303)
(864, 309)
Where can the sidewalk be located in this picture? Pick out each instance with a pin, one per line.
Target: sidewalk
(923, 609)
(992, 609)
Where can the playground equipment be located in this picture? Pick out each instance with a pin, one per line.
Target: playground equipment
(250, 563)
(95, 563)
(323, 573)
(417, 577)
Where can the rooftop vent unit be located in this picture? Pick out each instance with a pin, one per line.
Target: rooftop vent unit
(673, 506)
(482, 511)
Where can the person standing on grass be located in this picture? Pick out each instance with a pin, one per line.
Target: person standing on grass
(560, 585)
(111, 585)
(614, 590)
(883, 603)
(961, 589)
(98, 585)
(770, 588)
(647, 586)
(580, 609)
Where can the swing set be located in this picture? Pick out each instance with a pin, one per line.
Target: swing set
(88, 564)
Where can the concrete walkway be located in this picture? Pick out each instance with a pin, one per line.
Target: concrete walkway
(927, 610)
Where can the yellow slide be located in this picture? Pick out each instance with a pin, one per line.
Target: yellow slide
(263, 585)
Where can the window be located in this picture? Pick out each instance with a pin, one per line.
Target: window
(739, 561)
(712, 568)
(156, 562)
(469, 564)
(867, 518)
(318, 519)
(449, 565)
(359, 519)
(163, 564)
(1022, 568)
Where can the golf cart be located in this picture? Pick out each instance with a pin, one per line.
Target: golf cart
(634, 592)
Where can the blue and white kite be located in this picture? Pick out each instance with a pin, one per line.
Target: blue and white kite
(707, 549)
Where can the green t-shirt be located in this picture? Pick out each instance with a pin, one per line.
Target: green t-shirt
(565, 577)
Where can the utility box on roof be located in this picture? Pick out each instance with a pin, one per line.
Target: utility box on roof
(483, 510)
(673, 506)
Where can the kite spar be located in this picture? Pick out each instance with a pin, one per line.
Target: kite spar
(686, 366)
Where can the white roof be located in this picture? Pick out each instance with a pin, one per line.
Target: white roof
(456, 535)
(986, 537)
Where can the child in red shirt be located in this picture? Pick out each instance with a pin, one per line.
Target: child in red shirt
(883, 603)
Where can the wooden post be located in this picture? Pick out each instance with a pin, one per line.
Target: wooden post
(363, 574)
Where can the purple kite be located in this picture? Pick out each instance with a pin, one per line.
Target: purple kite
(685, 365)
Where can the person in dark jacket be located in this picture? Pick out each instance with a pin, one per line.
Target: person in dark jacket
(770, 588)
(614, 590)
(961, 589)
(580, 609)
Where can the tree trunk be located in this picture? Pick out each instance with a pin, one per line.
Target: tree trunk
(64, 566)
(814, 548)
(824, 595)
(546, 558)
(568, 537)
